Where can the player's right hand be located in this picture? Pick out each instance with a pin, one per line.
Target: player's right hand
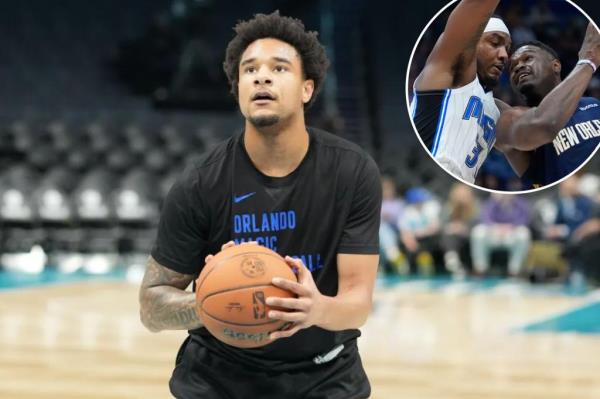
(590, 49)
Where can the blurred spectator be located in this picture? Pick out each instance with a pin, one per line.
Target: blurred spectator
(572, 209)
(578, 223)
(541, 16)
(594, 87)
(459, 214)
(520, 31)
(589, 185)
(420, 229)
(555, 219)
(504, 220)
(391, 206)
(583, 251)
(391, 209)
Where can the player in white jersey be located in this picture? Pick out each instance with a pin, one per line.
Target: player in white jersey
(453, 108)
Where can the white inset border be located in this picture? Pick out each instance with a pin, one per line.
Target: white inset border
(409, 89)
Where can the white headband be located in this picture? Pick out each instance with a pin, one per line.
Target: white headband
(496, 25)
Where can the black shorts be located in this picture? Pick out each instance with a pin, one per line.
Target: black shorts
(200, 373)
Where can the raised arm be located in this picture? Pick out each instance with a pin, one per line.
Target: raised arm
(525, 129)
(164, 303)
(457, 44)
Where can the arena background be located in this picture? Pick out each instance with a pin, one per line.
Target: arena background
(102, 104)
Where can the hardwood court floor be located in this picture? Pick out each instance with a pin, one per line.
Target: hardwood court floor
(451, 344)
(84, 340)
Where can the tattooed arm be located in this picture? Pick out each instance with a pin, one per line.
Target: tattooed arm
(164, 303)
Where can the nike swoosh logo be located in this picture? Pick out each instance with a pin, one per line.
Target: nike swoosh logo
(237, 200)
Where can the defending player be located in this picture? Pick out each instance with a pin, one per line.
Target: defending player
(453, 107)
(329, 191)
(561, 130)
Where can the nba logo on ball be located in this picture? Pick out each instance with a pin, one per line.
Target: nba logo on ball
(259, 305)
(253, 267)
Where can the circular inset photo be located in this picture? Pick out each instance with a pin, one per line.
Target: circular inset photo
(503, 95)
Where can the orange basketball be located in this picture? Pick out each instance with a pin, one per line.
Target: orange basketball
(231, 293)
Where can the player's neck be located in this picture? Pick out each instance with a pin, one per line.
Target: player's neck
(277, 150)
(486, 84)
(534, 98)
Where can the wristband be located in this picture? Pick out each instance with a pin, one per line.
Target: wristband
(587, 62)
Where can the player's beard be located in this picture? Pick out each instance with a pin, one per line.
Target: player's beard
(488, 82)
(264, 121)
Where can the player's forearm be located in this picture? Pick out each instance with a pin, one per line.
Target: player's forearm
(556, 108)
(560, 104)
(467, 22)
(168, 308)
(457, 43)
(479, 11)
(345, 311)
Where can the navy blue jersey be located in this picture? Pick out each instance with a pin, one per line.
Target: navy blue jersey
(570, 149)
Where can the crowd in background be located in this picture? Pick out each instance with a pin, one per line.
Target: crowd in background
(555, 23)
(554, 234)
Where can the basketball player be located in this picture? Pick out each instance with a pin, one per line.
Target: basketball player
(560, 129)
(453, 107)
(300, 191)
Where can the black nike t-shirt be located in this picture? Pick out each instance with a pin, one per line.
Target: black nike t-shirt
(329, 205)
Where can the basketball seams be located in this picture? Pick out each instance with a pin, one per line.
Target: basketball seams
(242, 287)
(220, 262)
(199, 283)
(241, 324)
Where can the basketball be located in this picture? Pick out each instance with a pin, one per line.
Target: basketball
(231, 294)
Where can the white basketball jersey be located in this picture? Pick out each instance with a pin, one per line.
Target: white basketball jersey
(463, 131)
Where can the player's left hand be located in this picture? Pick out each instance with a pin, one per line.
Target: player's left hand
(304, 311)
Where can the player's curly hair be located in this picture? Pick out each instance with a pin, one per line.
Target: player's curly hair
(287, 29)
(543, 46)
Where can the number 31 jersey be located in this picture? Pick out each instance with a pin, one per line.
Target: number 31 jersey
(458, 126)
